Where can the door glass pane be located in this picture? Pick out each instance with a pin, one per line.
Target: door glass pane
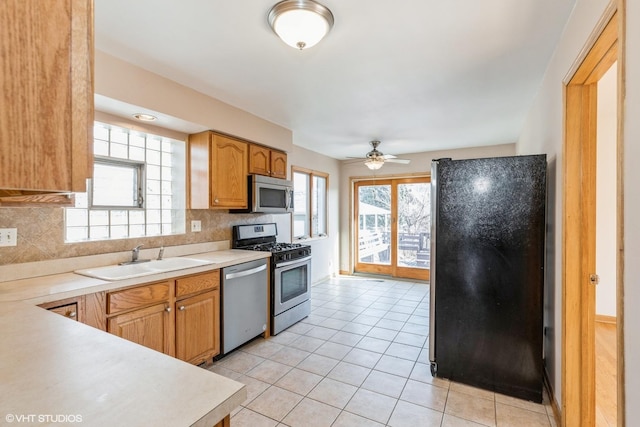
(414, 225)
(374, 224)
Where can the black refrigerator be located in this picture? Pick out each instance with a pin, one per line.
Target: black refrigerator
(487, 273)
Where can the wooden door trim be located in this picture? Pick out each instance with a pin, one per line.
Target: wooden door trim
(392, 269)
(357, 265)
(578, 254)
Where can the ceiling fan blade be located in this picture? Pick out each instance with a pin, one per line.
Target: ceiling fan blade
(389, 156)
(402, 161)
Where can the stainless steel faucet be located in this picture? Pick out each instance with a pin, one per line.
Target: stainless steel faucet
(135, 253)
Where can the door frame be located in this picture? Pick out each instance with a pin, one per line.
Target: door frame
(391, 270)
(604, 47)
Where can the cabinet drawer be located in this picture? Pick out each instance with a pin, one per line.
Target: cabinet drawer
(69, 310)
(137, 297)
(193, 284)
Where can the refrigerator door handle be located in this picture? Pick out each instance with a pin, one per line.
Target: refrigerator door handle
(432, 263)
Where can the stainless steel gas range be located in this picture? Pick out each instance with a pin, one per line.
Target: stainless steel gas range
(290, 272)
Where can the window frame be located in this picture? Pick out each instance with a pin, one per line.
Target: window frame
(310, 203)
(160, 162)
(137, 166)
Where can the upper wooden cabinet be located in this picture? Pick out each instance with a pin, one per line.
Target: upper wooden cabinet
(265, 161)
(46, 100)
(217, 171)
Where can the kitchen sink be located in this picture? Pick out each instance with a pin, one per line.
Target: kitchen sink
(128, 271)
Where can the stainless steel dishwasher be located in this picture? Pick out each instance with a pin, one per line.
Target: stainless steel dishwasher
(244, 303)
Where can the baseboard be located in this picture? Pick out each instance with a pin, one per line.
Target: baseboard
(557, 414)
(606, 319)
(344, 273)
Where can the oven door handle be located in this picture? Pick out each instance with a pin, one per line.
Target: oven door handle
(246, 272)
(295, 261)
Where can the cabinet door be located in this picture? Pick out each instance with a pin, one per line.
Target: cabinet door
(228, 173)
(150, 327)
(259, 160)
(278, 164)
(46, 118)
(198, 327)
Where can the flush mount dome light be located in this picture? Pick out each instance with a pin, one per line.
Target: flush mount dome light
(300, 23)
(145, 117)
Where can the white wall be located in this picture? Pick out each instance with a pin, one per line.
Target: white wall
(606, 212)
(631, 214)
(543, 133)
(324, 251)
(420, 165)
(122, 82)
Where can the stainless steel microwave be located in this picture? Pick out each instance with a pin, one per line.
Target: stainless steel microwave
(268, 195)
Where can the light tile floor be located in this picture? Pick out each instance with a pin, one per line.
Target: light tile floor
(361, 359)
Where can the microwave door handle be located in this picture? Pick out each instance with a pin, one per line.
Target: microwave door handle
(290, 200)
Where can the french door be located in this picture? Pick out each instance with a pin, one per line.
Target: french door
(393, 224)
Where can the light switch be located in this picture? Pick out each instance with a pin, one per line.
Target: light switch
(8, 236)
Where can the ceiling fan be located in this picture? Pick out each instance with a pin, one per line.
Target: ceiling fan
(374, 159)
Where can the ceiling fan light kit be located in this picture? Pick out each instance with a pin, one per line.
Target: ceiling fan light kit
(300, 23)
(374, 163)
(374, 159)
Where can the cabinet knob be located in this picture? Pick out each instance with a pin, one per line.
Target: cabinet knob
(216, 201)
(181, 308)
(72, 314)
(168, 309)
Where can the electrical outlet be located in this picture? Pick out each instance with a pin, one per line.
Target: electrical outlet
(8, 236)
(196, 226)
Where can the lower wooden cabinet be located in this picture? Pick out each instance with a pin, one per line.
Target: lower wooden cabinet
(179, 317)
(72, 308)
(198, 327)
(69, 310)
(225, 422)
(150, 327)
(88, 309)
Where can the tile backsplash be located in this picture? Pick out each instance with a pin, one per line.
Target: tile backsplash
(41, 234)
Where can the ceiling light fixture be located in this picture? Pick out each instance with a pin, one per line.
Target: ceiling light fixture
(374, 163)
(145, 117)
(300, 23)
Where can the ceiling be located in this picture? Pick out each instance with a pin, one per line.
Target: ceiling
(419, 75)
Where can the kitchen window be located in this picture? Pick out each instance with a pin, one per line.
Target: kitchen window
(310, 203)
(137, 190)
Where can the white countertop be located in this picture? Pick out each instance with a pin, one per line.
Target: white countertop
(38, 290)
(51, 366)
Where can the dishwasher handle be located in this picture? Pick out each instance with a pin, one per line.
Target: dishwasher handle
(245, 273)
